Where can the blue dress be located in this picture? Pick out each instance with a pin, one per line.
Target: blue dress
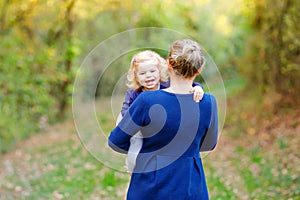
(174, 129)
(132, 94)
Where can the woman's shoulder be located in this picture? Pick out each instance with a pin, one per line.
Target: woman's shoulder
(208, 99)
(151, 94)
(208, 95)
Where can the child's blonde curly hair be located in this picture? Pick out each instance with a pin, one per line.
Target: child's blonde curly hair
(146, 57)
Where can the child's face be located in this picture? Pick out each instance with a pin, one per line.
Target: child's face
(148, 76)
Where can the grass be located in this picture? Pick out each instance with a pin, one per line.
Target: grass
(58, 169)
(251, 173)
(245, 165)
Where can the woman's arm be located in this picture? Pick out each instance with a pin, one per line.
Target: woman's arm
(211, 137)
(119, 138)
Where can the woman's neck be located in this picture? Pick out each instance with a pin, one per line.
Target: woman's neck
(180, 85)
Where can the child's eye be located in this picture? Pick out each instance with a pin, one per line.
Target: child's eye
(142, 73)
(152, 71)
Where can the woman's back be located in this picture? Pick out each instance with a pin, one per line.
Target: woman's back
(173, 128)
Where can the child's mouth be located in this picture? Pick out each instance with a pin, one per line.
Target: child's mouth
(149, 81)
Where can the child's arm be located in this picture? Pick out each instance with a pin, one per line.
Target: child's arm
(198, 91)
(127, 102)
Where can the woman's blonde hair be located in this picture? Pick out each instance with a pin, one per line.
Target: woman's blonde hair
(186, 57)
(146, 57)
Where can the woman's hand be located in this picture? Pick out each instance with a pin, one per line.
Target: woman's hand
(198, 93)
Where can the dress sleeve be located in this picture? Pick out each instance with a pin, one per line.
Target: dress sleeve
(133, 120)
(164, 85)
(127, 102)
(197, 84)
(211, 137)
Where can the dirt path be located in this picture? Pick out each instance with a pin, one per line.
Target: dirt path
(278, 140)
(21, 162)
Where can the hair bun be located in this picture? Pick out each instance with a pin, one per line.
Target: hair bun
(186, 57)
(193, 48)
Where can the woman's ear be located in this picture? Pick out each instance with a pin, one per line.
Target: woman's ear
(169, 66)
(199, 71)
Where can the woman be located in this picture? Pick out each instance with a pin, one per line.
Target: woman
(174, 129)
(147, 71)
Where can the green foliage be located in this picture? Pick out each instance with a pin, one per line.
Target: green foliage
(36, 61)
(273, 50)
(24, 100)
(44, 42)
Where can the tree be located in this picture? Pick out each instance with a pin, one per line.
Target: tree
(275, 50)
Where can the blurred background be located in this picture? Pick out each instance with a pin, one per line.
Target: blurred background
(254, 43)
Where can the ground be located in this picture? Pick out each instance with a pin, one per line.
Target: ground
(262, 163)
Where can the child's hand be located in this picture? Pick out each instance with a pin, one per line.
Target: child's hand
(198, 93)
